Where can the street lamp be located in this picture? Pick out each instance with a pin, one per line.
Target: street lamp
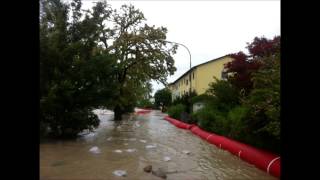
(190, 60)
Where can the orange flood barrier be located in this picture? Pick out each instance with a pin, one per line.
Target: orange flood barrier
(262, 159)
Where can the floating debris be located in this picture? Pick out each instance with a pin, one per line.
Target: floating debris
(186, 152)
(109, 139)
(151, 146)
(137, 124)
(148, 168)
(160, 173)
(142, 140)
(95, 150)
(118, 151)
(131, 150)
(126, 144)
(120, 173)
(166, 158)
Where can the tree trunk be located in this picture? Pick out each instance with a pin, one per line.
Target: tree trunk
(117, 113)
(117, 109)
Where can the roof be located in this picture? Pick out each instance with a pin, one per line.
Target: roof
(194, 67)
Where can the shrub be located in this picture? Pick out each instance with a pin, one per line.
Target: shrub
(236, 122)
(205, 98)
(176, 110)
(211, 119)
(223, 95)
(145, 103)
(71, 123)
(186, 101)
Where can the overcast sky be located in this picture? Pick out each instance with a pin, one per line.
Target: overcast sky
(209, 29)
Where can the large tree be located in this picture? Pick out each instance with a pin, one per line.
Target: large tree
(162, 98)
(243, 66)
(96, 58)
(74, 72)
(264, 99)
(141, 51)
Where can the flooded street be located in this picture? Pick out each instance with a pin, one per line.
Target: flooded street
(138, 141)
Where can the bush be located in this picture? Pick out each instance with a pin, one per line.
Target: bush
(69, 124)
(145, 103)
(204, 98)
(210, 119)
(186, 101)
(176, 110)
(224, 95)
(236, 122)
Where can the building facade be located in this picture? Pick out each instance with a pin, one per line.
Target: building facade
(200, 76)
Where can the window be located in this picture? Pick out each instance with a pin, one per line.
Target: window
(187, 82)
(193, 75)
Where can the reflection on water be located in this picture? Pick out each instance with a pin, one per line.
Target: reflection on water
(137, 141)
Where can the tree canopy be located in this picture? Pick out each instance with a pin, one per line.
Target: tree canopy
(243, 66)
(101, 57)
(162, 98)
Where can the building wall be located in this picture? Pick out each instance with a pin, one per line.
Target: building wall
(206, 72)
(182, 86)
(201, 76)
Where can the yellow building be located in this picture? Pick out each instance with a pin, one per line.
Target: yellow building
(201, 76)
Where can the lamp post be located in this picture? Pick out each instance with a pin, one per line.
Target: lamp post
(189, 57)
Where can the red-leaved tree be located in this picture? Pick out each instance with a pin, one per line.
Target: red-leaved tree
(241, 68)
(262, 47)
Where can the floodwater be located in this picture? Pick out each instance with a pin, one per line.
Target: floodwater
(138, 141)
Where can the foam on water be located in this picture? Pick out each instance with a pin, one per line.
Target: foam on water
(120, 173)
(95, 150)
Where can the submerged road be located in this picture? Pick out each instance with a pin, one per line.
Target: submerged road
(137, 141)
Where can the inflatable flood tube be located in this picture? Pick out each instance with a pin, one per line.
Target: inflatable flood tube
(178, 124)
(260, 158)
(143, 111)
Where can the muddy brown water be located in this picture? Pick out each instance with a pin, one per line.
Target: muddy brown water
(72, 160)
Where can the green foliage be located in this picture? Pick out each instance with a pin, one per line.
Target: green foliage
(264, 100)
(92, 59)
(205, 98)
(186, 100)
(145, 103)
(176, 110)
(141, 52)
(210, 119)
(224, 94)
(253, 116)
(236, 119)
(73, 80)
(162, 98)
(219, 99)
